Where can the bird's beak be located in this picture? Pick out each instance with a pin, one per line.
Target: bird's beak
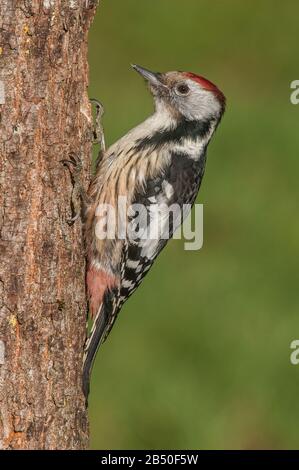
(153, 78)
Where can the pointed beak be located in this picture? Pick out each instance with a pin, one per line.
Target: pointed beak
(154, 78)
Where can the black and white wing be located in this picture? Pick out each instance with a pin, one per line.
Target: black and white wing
(164, 201)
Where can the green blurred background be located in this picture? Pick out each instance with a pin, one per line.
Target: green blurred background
(199, 357)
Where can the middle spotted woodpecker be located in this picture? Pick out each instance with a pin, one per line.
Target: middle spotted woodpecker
(159, 163)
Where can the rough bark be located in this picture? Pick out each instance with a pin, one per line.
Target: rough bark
(45, 116)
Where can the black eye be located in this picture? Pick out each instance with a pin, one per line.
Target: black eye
(182, 89)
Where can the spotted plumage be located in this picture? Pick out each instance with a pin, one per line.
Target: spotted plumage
(158, 166)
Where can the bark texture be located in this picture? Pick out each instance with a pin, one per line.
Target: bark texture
(45, 115)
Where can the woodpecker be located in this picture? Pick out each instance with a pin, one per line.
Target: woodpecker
(159, 163)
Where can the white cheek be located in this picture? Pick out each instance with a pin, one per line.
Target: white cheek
(201, 105)
(210, 104)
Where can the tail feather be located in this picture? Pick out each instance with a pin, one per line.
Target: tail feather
(98, 334)
(91, 348)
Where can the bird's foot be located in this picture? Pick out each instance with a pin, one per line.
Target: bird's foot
(98, 130)
(79, 198)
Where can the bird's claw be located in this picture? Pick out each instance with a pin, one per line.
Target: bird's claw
(98, 131)
(74, 165)
(73, 219)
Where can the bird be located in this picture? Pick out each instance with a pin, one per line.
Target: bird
(157, 164)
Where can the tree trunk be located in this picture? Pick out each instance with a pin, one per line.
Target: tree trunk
(45, 116)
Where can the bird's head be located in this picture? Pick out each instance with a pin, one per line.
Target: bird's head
(185, 94)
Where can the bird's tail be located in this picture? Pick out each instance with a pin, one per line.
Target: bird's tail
(98, 334)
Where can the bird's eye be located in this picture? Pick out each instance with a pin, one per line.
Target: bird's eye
(182, 89)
